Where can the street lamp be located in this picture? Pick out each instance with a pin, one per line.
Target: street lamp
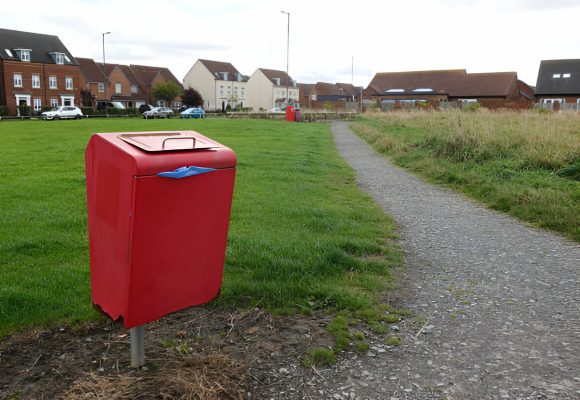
(105, 72)
(287, 54)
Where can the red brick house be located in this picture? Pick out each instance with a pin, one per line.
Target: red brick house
(449, 87)
(148, 77)
(130, 85)
(37, 71)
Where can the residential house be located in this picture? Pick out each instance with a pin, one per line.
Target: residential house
(148, 77)
(92, 80)
(559, 83)
(305, 94)
(324, 91)
(130, 85)
(444, 87)
(36, 71)
(219, 83)
(269, 88)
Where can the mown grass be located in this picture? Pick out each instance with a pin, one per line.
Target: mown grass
(300, 234)
(525, 164)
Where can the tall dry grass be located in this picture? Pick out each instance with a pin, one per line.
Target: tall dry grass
(539, 140)
(523, 163)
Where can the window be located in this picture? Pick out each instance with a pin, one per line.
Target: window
(68, 82)
(243, 91)
(17, 80)
(66, 58)
(566, 76)
(101, 87)
(133, 88)
(35, 81)
(556, 76)
(8, 52)
(118, 88)
(52, 82)
(24, 54)
(58, 57)
(53, 103)
(395, 91)
(37, 104)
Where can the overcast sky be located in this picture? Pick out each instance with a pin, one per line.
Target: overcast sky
(325, 35)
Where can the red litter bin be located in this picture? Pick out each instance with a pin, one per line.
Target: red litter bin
(158, 213)
(290, 116)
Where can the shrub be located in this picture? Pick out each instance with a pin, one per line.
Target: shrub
(319, 356)
(471, 107)
(4, 111)
(88, 110)
(24, 110)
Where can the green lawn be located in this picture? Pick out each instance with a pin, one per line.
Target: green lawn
(302, 235)
(526, 164)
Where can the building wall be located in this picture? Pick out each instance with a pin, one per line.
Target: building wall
(2, 85)
(200, 79)
(262, 93)
(44, 93)
(230, 93)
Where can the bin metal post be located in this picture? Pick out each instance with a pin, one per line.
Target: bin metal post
(137, 346)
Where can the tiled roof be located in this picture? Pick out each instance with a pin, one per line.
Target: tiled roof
(553, 81)
(40, 45)
(336, 89)
(305, 88)
(217, 68)
(455, 83)
(273, 74)
(90, 70)
(145, 75)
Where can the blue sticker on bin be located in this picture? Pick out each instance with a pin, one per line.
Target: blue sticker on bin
(184, 172)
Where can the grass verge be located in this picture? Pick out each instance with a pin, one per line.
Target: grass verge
(302, 236)
(525, 164)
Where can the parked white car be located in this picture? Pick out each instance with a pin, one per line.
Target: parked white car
(158, 112)
(63, 112)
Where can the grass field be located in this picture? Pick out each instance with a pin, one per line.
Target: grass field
(302, 235)
(526, 164)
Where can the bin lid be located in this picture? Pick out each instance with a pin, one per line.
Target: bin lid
(166, 141)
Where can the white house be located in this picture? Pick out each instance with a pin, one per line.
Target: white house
(219, 83)
(269, 88)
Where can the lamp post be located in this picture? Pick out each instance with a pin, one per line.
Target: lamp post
(105, 72)
(287, 53)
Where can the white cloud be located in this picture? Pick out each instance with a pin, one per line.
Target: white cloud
(479, 35)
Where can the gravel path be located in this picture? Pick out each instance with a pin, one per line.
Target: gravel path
(499, 302)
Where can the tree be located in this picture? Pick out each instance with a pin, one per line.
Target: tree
(86, 98)
(191, 98)
(166, 91)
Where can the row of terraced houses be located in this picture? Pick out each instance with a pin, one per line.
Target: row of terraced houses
(37, 71)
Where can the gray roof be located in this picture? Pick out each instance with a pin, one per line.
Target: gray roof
(40, 45)
(550, 84)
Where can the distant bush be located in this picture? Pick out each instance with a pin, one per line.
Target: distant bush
(471, 107)
(88, 110)
(4, 111)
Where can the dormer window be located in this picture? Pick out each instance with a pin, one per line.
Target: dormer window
(225, 75)
(276, 81)
(58, 57)
(23, 54)
(238, 77)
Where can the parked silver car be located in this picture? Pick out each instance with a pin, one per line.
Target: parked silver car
(158, 112)
(63, 112)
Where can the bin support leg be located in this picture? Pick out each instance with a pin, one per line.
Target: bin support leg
(137, 346)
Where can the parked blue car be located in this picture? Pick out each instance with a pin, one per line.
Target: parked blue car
(195, 112)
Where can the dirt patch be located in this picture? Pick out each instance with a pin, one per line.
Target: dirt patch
(200, 353)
